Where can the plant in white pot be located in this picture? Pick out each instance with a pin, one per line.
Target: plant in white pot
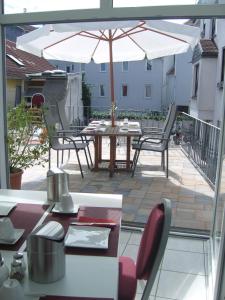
(22, 124)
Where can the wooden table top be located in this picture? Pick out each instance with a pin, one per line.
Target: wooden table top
(94, 129)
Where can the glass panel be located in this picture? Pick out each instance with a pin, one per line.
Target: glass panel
(15, 6)
(136, 3)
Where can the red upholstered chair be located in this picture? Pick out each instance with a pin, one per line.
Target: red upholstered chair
(37, 100)
(151, 251)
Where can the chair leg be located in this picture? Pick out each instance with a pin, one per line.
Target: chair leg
(78, 159)
(89, 154)
(57, 158)
(62, 157)
(135, 160)
(163, 160)
(85, 152)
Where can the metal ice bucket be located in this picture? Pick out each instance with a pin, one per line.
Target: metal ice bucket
(57, 184)
(45, 252)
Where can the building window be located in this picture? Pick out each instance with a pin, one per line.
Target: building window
(68, 69)
(82, 67)
(101, 90)
(203, 31)
(196, 79)
(148, 65)
(14, 59)
(124, 90)
(103, 67)
(125, 66)
(223, 65)
(148, 91)
(213, 28)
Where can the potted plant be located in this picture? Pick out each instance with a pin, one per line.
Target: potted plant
(23, 152)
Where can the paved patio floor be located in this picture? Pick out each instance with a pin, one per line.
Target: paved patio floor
(192, 197)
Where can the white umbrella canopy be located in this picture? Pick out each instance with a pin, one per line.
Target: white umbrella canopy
(108, 42)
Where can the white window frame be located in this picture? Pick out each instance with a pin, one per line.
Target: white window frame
(123, 69)
(100, 90)
(145, 91)
(124, 84)
(102, 70)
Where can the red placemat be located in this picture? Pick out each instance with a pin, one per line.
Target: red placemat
(93, 212)
(24, 216)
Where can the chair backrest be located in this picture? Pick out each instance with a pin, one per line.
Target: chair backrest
(170, 109)
(54, 91)
(50, 122)
(153, 244)
(62, 116)
(37, 100)
(170, 119)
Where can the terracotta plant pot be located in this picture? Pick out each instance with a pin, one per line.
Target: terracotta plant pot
(16, 179)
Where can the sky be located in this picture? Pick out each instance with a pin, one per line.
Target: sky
(18, 6)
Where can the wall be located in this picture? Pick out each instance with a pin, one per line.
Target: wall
(183, 81)
(11, 90)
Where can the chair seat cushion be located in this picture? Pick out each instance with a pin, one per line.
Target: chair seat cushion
(127, 278)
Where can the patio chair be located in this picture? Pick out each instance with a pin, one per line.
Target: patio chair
(73, 130)
(37, 100)
(156, 142)
(150, 254)
(158, 130)
(57, 139)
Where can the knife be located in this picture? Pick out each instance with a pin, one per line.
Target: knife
(92, 223)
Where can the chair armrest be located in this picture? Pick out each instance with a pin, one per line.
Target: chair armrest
(149, 140)
(156, 129)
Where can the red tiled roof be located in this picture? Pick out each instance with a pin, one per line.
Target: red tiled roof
(31, 63)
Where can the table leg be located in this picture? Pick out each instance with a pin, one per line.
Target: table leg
(100, 149)
(112, 155)
(128, 153)
(96, 144)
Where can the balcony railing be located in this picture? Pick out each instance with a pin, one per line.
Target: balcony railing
(200, 142)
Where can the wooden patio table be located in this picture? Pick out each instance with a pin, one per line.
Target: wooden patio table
(99, 130)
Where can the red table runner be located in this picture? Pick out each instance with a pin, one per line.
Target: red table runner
(24, 216)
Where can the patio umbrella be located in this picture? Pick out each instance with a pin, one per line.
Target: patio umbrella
(108, 42)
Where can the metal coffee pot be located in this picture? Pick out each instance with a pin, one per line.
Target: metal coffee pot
(57, 184)
(45, 253)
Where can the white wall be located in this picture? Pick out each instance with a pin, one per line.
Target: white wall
(183, 78)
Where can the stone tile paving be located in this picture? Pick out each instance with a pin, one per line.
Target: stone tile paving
(192, 197)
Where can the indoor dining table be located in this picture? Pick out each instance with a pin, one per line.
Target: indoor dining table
(100, 129)
(90, 273)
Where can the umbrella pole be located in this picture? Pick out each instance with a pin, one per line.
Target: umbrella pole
(111, 79)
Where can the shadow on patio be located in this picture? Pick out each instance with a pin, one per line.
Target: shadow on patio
(192, 197)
